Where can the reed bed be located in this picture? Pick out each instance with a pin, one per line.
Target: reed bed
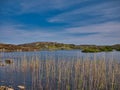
(60, 74)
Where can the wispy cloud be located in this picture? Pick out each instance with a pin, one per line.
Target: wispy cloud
(90, 14)
(75, 21)
(57, 4)
(105, 33)
(36, 6)
(100, 28)
(15, 34)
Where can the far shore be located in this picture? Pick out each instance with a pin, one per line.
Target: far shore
(52, 46)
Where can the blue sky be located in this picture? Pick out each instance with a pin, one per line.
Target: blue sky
(65, 21)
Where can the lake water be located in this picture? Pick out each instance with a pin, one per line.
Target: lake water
(40, 70)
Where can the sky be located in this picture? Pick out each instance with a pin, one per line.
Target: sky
(65, 21)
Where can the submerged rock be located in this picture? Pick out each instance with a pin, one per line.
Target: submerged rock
(2, 64)
(8, 61)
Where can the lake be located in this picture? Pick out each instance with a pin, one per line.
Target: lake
(61, 70)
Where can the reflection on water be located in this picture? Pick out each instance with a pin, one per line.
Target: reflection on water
(61, 70)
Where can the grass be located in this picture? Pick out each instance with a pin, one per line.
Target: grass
(74, 74)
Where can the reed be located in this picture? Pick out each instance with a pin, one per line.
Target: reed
(75, 74)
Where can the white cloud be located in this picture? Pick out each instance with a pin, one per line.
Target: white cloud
(100, 28)
(36, 6)
(93, 39)
(48, 4)
(107, 33)
(14, 34)
(92, 13)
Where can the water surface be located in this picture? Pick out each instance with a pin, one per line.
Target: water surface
(41, 70)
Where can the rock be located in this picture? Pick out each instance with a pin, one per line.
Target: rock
(2, 87)
(8, 61)
(5, 88)
(21, 87)
(10, 89)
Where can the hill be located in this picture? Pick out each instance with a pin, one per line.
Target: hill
(37, 46)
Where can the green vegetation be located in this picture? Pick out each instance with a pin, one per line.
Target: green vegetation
(37, 46)
(98, 49)
(90, 50)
